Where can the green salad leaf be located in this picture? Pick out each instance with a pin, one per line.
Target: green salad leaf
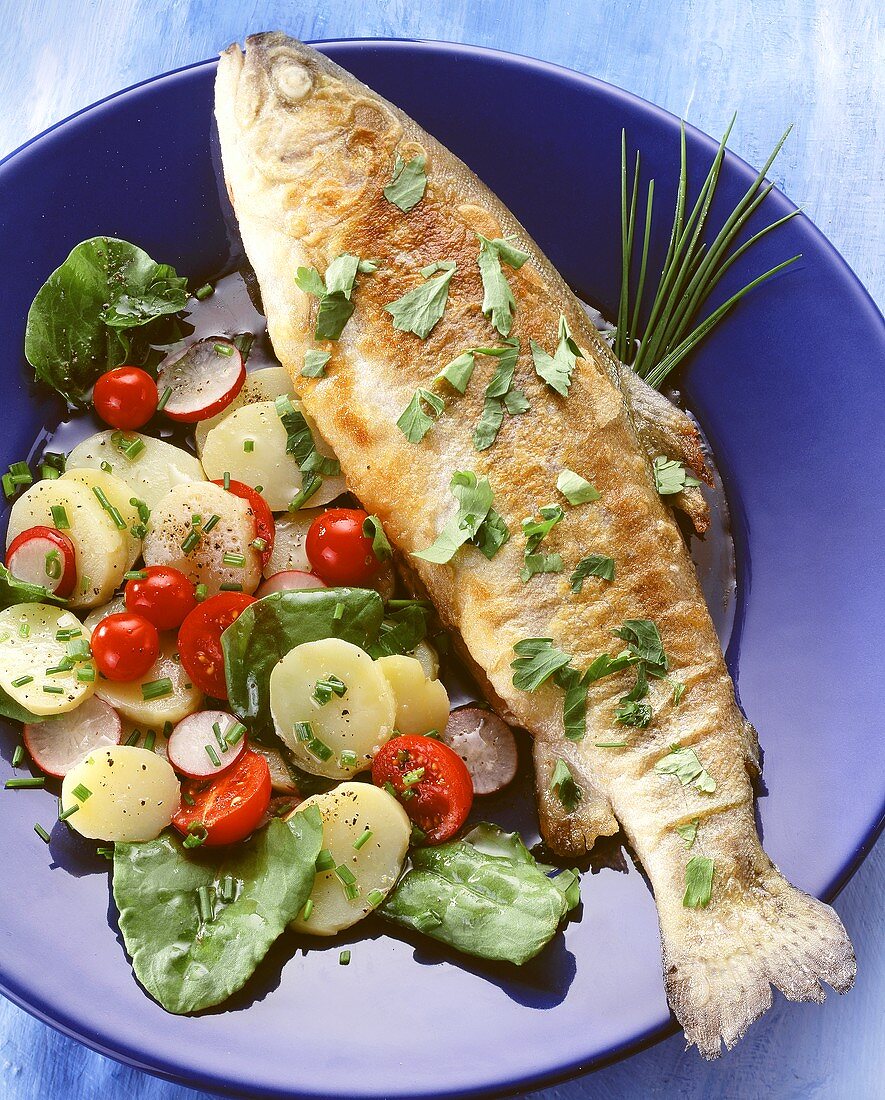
(188, 954)
(402, 629)
(407, 187)
(484, 895)
(105, 305)
(267, 629)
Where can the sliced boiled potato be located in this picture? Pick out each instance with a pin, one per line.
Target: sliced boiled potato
(422, 704)
(118, 494)
(355, 813)
(112, 607)
(289, 539)
(181, 699)
(428, 658)
(122, 793)
(100, 549)
(267, 464)
(29, 646)
(337, 738)
(261, 385)
(171, 524)
(150, 474)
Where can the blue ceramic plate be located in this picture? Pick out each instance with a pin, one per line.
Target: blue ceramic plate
(788, 390)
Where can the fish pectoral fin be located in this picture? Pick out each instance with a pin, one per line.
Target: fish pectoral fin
(720, 964)
(570, 832)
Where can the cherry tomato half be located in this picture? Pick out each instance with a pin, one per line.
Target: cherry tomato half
(125, 397)
(231, 806)
(431, 781)
(261, 513)
(199, 640)
(164, 596)
(124, 646)
(337, 549)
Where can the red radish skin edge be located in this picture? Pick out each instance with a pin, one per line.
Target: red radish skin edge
(486, 745)
(186, 406)
(43, 740)
(288, 580)
(186, 748)
(26, 548)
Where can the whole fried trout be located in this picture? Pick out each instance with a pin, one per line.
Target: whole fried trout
(307, 151)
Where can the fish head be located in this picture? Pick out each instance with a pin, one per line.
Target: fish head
(302, 122)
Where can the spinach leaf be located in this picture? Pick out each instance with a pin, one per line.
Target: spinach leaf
(9, 708)
(189, 957)
(270, 627)
(484, 895)
(401, 630)
(97, 311)
(13, 591)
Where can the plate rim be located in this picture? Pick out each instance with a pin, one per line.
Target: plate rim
(179, 1074)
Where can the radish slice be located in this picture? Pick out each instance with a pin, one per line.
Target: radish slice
(203, 381)
(485, 744)
(194, 745)
(61, 744)
(44, 556)
(289, 580)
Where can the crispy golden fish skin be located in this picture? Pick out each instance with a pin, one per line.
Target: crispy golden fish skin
(307, 150)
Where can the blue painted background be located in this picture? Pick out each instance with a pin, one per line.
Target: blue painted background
(817, 63)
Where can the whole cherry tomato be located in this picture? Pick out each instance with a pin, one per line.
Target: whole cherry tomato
(430, 780)
(164, 596)
(125, 397)
(265, 528)
(199, 640)
(231, 806)
(338, 551)
(124, 646)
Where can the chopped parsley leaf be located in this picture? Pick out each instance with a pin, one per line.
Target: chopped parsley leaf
(498, 302)
(458, 372)
(373, 530)
(475, 521)
(684, 764)
(537, 530)
(414, 422)
(537, 659)
(315, 363)
(540, 563)
(698, 883)
(644, 640)
(671, 476)
(562, 784)
(419, 310)
(409, 182)
(556, 369)
(576, 489)
(594, 565)
(689, 831)
(516, 402)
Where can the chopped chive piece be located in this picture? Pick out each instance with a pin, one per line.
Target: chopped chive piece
(307, 910)
(238, 560)
(81, 793)
(227, 889)
(375, 897)
(86, 675)
(389, 787)
(610, 744)
(303, 731)
(8, 489)
(164, 398)
(204, 292)
(65, 665)
(201, 592)
(326, 688)
(196, 520)
(149, 740)
(65, 814)
(24, 630)
(131, 448)
(226, 350)
(156, 689)
(338, 613)
(248, 446)
(364, 838)
(67, 633)
(410, 779)
(196, 835)
(226, 479)
(106, 467)
(345, 874)
(113, 512)
(52, 565)
(210, 523)
(187, 799)
(108, 853)
(347, 759)
(21, 681)
(18, 756)
(56, 460)
(205, 904)
(41, 833)
(30, 783)
(49, 473)
(318, 748)
(213, 755)
(133, 737)
(60, 517)
(229, 587)
(352, 891)
(191, 542)
(135, 575)
(325, 862)
(50, 689)
(144, 513)
(235, 734)
(20, 474)
(344, 958)
(259, 544)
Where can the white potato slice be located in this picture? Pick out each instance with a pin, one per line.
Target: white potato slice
(28, 647)
(113, 607)
(128, 699)
(428, 658)
(422, 705)
(133, 794)
(358, 722)
(118, 494)
(171, 524)
(289, 539)
(261, 385)
(150, 475)
(348, 813)
(267, 464)
(100, 549)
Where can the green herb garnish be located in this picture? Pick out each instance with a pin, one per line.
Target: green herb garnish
(419, 310)
(689, 831)
(698, 882)
(557, 369)
(564, 787)
(576, 489)
(156, 689)
(407, 187)
(315, 363)
(498, 302)
(475, 521)
(327, 687)
(458, 372)
(684, 764)
(414, 422)
(594, 565)
(373, 530)
(671, 476)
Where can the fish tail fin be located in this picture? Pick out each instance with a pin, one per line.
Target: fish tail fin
(720, 964)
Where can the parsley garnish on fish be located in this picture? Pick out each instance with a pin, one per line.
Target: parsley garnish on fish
(486, 430)
(414, 422)
(419, 310)
(576, 489)
(373, 530)
(594, 565)
(689, 831)
(334, 293)
(563, 785)
(671, 476)
(684, 764)
(315, 363)
(535, 532)
(516, 402)
(458, 372)
(537, 659)
(540, 563)
(437, 265)
(475, 521)
(409, 182)
(631, 709)
(644, 640)
(698, 883)
(678, 691)
(557, 369)
(498, 303)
